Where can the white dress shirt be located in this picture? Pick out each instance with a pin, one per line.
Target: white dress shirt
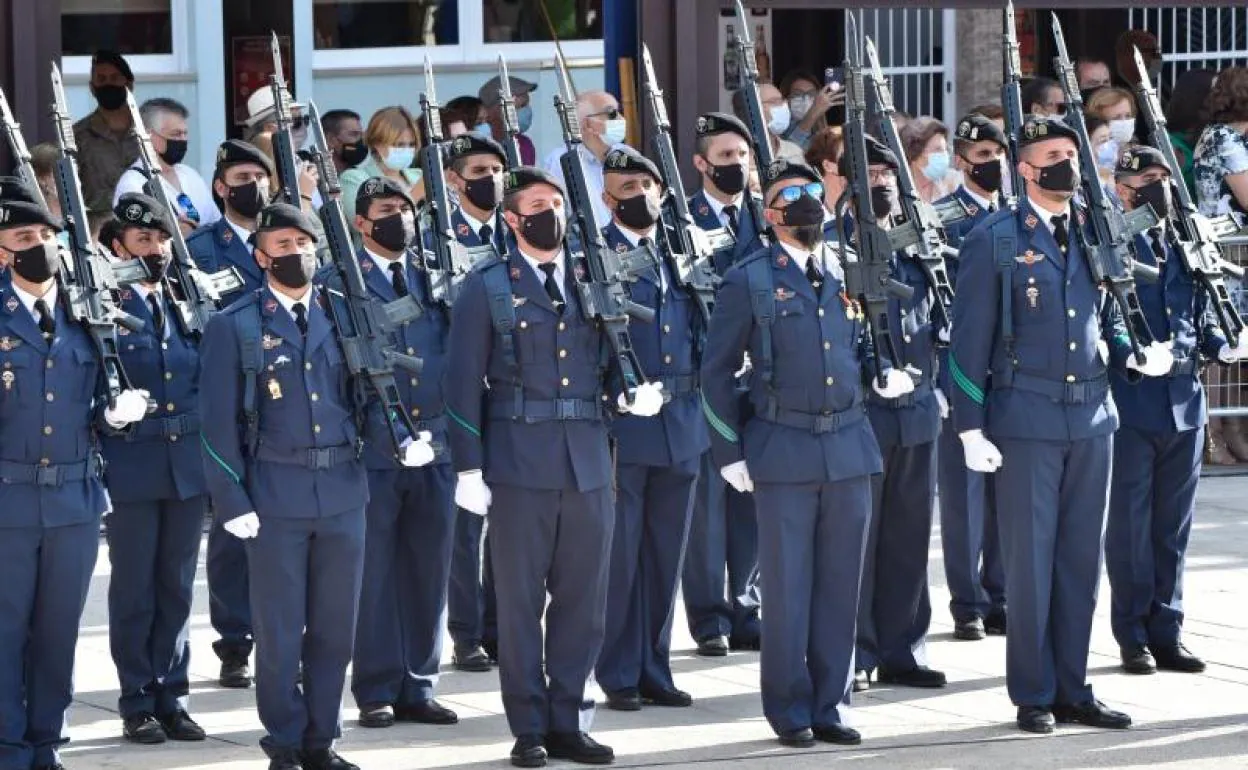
(242, 233)
(144, 291)
(384, 263)
(541, 276)
(634, 240)
(1046, 215)
(717, 207)
(29, 300)
(289, 302)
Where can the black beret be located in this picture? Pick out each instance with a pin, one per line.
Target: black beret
(713, 123)
(781, 170)
(115, 59)
(234, 152)
(1038, 129)
(626, 160)
(380, 187)
(977, 128)
(278, 216)
(20, 206)
(877, 154)
(140, 210)
(472, 144)
(519, 178)
(1138, 159)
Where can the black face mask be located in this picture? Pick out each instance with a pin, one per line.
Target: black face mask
(543, 230)
(803, 212)
(247, 199)
(294, 271)
(986, 175)
(729, 178)
(395, 232)
(1060, 177)
(882, 199)
(484, 193)
(38, 263)
(175, 151)
(353, 154)
(1155, 194)
(156, 265)
(110, 97)
(639, 212)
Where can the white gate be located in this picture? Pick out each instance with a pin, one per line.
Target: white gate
(1195, 38)
(917, 48)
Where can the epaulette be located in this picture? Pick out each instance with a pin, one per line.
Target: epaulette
(489, 262)
(762, 252)
(246, 300)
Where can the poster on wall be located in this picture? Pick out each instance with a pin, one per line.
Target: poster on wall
(253, 64)
(730, 73)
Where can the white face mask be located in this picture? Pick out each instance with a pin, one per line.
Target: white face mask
(1121, 131)
(800, 106)
(780, 119)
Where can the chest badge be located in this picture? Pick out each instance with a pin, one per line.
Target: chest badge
(1030, 258)
(1033, 297)
(783, 294)
(122, 331)
(275, 389)
(8, 378)
(8, 343)
(518, 301)
(269, 342)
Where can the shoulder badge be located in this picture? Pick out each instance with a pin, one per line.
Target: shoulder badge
(1030, 258)
(270, 305)
(783, 294)
(8, 343)
(12, 304)
(1031, 221)
(269, 342)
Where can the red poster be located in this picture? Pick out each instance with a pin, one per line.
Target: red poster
(253, 64)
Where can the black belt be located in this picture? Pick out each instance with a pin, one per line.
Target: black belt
(316, 459)
(679, 385)
(919, 393)
(170, 428)
(542, 411)
(433, 425)
(830, 422)
(1079, 392)
(51, 475)
(1185, 367)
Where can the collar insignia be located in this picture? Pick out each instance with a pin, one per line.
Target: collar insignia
(227, 234)
(1079, 216)
(579, 272)
(126, 295)
(972, 209)
(270, 305)
(12, 304)
(1031, 221)
(281, 360)
(367, 265)
(515, 274)
(704, 210)
(269, 342)
(463, 228)
(782, 260)
(620, 248)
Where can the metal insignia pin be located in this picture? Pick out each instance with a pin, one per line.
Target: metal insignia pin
(1033, 296)
(270, 306)
(6, 344)
(275, 389)
(12, 304)
(515, 274)
(8, 378)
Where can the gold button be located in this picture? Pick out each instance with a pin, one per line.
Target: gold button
(827, 345)
(315, 397)
(667, 359)
(47, 430)
(308, 366)
(1071, 312)
(169, 407)
(415, 411)
(168, 376)
(1070, 378)
(564, 382)
(827, 381)
(821, 312)
(50, 397)
(316, 429)
(524, 324)
(563, 354)
(667, 328)
(1073, 346)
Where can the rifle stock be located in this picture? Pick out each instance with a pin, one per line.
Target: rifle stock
(284, 158)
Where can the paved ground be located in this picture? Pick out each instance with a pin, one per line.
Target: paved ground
(1182, 720)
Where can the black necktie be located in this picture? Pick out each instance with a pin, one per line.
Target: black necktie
(486, 234)
(158, 315)
(1060, 233)
(552, 286)
(398, 279)
(730, 213)
(1159, 248)
(47, 321)
(301, 318)
(813, 275)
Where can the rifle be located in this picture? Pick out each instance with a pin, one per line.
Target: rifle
(1196, 235)
(17, 147)
(600, 286)
(89, 296)
(507, 108)
(1012, 104)
(194, 294)
(756, 120)
(362, 324)
(1109, 256)
(284, 158)
(868, 276)
(921, 224)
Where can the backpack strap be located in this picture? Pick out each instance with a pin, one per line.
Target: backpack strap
(1005, 247)
(251, 355)
(498, 295)
(763, 304)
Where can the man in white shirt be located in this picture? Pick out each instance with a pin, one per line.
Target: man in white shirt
(602, 127)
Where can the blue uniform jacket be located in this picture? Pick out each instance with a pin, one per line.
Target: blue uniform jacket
(955, 234)
(217, 247)
(560, 357)
(747, 232)
(304, 404)
(49, 414)
(159, 458)
(1177, 309)
(820, 348)
(667, 348)
(471, 238)
(1053, 385)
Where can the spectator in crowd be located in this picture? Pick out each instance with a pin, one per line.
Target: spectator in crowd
(1092, 74)
(926, 143)
(992, 111)
(809, 103)
(602, 127)
(1042, 97)
(43, 158)
(166, 122)
(106, 143)
(1221, 164)
(1129, 76)
(469, 111)
(392, 138)
(1104, 149)
(776, 112)
(1115, 106)
(520, 91)
(344, 133)
(1186, 118)
(823, 154)
(261, 122)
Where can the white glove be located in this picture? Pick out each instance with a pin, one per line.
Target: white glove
(472, 493)
(981, 454)
(1158, 360)
(1102, 349)
(896, 384)
(647, 400)
(745, 366)
(130, 406)
(738, 476)
(419, 452)
(1229, 355)
(943, 334)
(245, 527)
(942, 403)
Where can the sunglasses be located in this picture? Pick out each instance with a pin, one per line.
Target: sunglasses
(184, 203)
(300, 121)
(791, 194)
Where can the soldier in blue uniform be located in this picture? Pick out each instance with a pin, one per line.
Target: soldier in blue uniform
(156, 481)
(657, 458)
(1158, 447)
(410, 516)
(476, 172)
(894, 608)
(283, 464)
(51, 494)
(1043, 420)
(723, 535)
(241, 184)
(526, 391)
(806, 450)
(968, 519)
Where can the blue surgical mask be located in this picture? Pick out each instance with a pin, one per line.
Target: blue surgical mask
(524, 116)
(615, 132)
(483, 130)
(937, 166)
(399, 158)
(780, 119)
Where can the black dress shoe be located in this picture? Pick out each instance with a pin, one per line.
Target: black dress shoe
(491, 650)
(862, 680)
(673, 698)
(969, 630)
(995, 624)
(802, 738)
(143, 728)
(1136, 660)
(376, 715)
(325, 759)
(713, 647)
(1036, 719)
(839, 734)
(428, 712)
(919, 676)
(1177, 658)
(1093, 714)
(180, 727)
(529, 751)
(624, 700)
(471, 659)
(235, 674)
(285, 760)
(578, 747)
(752, 643)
